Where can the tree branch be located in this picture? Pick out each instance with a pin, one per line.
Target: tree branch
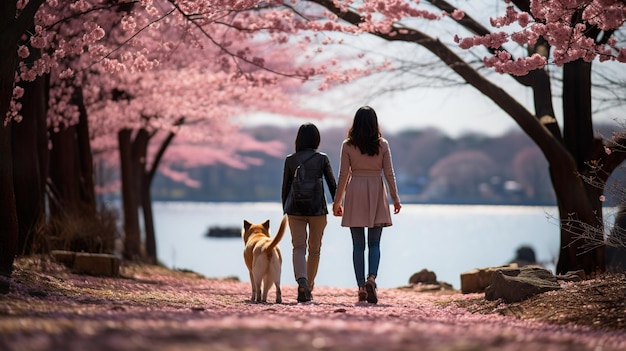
(193, 21)
(162, 149)
(478, 29)
(618, 154)
(537, 79)
(547, 142)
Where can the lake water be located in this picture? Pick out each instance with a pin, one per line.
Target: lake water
(445, 239)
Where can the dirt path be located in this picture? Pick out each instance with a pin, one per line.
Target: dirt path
(157, 309)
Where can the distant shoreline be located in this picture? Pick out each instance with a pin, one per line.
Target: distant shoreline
(403, 198)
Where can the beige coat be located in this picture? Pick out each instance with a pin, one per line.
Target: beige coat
(361, 180)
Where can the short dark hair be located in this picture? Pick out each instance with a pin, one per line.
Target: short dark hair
(365, 133)
(308, 137)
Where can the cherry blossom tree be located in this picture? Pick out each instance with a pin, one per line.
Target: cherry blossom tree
(192, 104)
(73, 36)
(192, 95)
(564, 36)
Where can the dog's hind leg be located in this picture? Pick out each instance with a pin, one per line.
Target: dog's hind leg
(257, 290)
(252, 285)
(274, 277)
(258, 271)
(267, 284)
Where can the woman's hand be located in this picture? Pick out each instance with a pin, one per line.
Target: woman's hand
(396, 208)
(337, 210)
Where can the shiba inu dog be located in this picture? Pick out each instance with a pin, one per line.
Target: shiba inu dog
(263, 258)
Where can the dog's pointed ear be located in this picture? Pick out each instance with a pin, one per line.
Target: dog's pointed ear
(266, 224)
(246, 225)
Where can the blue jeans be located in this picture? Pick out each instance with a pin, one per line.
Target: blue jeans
(358, 251)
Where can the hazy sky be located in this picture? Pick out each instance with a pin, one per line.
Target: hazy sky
(454, 111)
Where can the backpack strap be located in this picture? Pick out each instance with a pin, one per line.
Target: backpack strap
(308, 158)
(295, 173)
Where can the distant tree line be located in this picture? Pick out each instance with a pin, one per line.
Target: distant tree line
(431, 167)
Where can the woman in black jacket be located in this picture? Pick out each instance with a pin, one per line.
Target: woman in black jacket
(311, 216)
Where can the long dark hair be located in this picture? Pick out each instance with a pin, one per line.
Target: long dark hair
(364, 132)
(308, 137)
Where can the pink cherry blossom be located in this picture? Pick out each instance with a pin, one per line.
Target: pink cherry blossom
(458, 14)
(23, 51)
(552, 20)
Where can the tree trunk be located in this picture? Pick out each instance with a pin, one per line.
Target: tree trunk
(72, 171)
(140, 154)
(579, 207)
(148, 221)
(8, 224)
(9, 228)
(151, 248)
(577, 115)
(28, 156)
(11, 30)
(85, 157)
(574, 196)
(577, 214)
(64, 166)
(130, 197)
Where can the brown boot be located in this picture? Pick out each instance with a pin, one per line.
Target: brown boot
(304, 294)
(370, 286)
(362, 294)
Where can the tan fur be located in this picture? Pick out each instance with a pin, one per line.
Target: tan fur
(263, 258)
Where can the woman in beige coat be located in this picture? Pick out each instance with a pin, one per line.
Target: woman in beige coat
(365, 158)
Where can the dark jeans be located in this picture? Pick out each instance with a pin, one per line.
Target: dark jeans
(358, 251)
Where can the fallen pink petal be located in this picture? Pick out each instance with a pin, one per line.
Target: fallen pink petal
(155, 308)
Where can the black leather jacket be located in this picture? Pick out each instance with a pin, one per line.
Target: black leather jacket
(317, 167)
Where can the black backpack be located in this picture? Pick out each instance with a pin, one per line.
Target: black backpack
(303, 189)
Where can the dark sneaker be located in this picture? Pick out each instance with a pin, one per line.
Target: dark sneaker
(370, 287)
(362, 294)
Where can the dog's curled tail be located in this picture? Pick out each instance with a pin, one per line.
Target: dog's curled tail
(279, 234)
